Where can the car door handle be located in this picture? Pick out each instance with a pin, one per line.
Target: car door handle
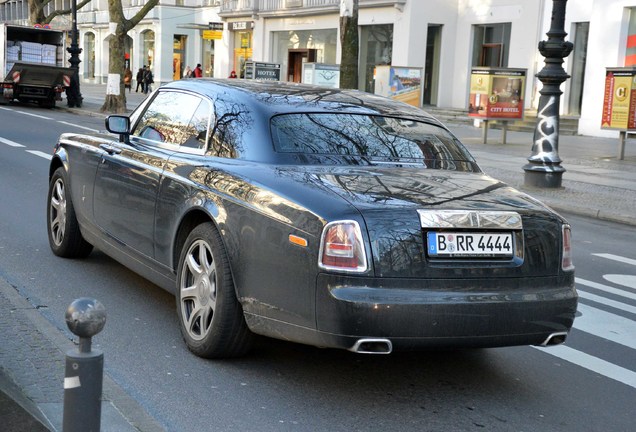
(111, 150)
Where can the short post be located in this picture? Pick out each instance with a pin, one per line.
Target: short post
(83, 376)
(504, 130)
(621, 145)
(484, 133)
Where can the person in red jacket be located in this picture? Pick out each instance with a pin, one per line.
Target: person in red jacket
(198, 72)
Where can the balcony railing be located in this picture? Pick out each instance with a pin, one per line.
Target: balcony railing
(296, 7)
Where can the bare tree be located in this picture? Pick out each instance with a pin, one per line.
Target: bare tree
(116, 103)
(349, 41)
(36, 11)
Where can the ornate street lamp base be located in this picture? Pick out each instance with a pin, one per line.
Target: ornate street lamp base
(543, 176)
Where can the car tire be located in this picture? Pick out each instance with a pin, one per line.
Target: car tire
(210, 316)
(65, 237)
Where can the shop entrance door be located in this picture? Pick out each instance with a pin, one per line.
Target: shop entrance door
(178, 56)
(431, 71)
(295, 62)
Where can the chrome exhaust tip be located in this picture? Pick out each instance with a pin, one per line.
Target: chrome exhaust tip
(556, 338)
(372, 346)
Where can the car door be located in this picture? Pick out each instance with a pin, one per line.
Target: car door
(129, 175)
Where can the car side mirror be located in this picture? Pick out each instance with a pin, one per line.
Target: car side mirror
(120, 125)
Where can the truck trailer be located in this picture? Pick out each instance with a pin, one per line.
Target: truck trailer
(32, 62)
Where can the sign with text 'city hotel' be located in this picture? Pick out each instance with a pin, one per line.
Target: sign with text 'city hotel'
(497, 93)
(619, 100)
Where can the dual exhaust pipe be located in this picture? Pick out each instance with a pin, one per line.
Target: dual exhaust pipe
(384, 346)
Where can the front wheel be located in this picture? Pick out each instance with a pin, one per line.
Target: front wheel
(210, 316)
(65, 237)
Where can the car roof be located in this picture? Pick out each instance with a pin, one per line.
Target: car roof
(276, 97)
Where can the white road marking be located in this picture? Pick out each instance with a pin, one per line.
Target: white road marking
(40, 153)
(616, 258)
(10, 143)
(609, 289)
(608, 302)
(78, 126)
(628, 281)
(6, 109)
(592, 363)
(606, 325)
(34, 115)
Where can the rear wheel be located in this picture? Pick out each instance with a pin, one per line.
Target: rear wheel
(210, 316)
(65, 237)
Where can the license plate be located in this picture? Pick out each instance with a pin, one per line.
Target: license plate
(461, 244)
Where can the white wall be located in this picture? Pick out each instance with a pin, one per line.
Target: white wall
(606, 48)
(524, 16)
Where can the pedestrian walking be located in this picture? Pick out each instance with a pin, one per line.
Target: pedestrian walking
(148, 80)
(233, 74)
(198, 72)
(140, 80)
(188, 72)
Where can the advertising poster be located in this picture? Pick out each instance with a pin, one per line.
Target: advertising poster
(400, 83)
(497, 93)
(619, 101)
(406, 85)
(325, 75)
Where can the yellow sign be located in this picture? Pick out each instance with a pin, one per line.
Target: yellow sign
(619, 102)
(212, 34)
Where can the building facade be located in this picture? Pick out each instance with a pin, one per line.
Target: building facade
(445, 38)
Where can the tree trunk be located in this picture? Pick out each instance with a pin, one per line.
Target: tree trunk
(115, 92)
(36, 13)
(349, 42)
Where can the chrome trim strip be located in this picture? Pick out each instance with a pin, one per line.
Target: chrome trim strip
(478, 219)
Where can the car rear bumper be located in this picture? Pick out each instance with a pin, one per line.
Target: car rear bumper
(415, 314)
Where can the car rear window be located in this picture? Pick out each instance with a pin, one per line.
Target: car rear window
(375, 139)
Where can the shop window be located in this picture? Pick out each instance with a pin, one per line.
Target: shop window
(491, 45)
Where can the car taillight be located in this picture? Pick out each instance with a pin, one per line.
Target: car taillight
(342, 248)
(566, 261)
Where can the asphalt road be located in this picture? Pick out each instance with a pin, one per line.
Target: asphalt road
(589, 384)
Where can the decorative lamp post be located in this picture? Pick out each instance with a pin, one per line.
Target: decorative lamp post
(544, 168)
(73, 95)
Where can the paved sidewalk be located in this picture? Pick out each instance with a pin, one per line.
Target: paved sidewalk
(595, 184)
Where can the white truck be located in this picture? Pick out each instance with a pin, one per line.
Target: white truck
(32, 63)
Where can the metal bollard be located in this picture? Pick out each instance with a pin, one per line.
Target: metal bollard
(83, 377)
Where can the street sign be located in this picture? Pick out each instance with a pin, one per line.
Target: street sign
(215, 26)
(212, 34)
(262, 71)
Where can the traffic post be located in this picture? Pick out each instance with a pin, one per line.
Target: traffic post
(83, 375)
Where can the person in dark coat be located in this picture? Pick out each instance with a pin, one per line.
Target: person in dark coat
(140, 80)
(148, 80)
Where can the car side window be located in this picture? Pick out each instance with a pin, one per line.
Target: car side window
(175, 118)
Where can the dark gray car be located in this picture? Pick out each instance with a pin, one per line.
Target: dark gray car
(326, 217)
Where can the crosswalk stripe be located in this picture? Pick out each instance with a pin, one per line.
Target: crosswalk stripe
(605, 288)
(592, 363)
(608, 302)
(10, 143)
(616, 258)
(628, 281)
(606, 325)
